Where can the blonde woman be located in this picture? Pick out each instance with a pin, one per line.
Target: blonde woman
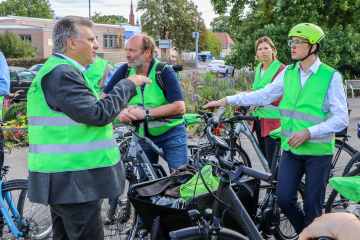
(269, 115)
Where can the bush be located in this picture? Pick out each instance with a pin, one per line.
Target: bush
(12, 47)
(14, 138)
(14, 110)
(26, 62)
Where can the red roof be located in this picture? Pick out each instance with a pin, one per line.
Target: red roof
(225, 39)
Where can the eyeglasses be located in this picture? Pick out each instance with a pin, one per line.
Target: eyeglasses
(296, 42)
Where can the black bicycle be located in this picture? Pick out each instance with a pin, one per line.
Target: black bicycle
(119, 216)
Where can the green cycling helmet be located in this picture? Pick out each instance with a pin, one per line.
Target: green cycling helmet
(310, 32)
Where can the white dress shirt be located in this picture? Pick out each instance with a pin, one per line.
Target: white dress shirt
(334, 102)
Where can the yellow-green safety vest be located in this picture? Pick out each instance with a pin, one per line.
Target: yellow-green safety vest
(301, 108)
(58, 143)
(268, 111)
(152, 97)
(96, 71)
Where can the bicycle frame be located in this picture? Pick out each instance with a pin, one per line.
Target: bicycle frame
(6, 214)
(243, 127)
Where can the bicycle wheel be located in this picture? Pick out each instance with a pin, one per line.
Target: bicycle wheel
(206, 152)
(124, 220)
(338, 203)
(194, 233)
(35, 218)
(286, 230)
(351, 164)
(340, 165)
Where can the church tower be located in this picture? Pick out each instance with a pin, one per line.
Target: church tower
(131, 17)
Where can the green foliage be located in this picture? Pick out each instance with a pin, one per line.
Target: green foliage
(340, 21)
(108, 19)
(175, 20)
(221, 24)
(15, 138)
(200, 89)
(27, 8)
(12, 47)
(25, 62)
(213, 43)
(14, 110)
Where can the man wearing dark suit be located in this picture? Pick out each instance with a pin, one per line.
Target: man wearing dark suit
(72, 155)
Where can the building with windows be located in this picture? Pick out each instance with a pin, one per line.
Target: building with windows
(39, 32)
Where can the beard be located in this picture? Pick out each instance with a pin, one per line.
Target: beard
(138, 63)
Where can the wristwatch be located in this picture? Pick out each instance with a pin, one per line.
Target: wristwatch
(147, 115)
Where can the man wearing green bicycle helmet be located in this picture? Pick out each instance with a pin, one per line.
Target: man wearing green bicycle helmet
(312, 109)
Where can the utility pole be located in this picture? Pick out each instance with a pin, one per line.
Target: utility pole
(196, 36)
(89, 11)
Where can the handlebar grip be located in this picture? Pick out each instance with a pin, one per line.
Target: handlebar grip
(174, 117)
(202, 112)
(267, 177)
(220, 112)
(250, 118)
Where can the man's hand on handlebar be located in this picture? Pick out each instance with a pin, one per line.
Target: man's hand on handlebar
(219, 103)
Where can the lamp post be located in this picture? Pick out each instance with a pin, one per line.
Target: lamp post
(89, 11)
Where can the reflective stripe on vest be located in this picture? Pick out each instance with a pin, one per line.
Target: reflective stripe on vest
(58, 143)
(95, 73)
(152, 97)
(267, 111)
(1, 106)
(301, 108)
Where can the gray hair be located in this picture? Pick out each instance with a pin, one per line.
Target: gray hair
(66, 28)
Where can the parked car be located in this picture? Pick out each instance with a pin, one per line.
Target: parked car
(35, 69)
(20, 79)
(218, 66)
(118, 65)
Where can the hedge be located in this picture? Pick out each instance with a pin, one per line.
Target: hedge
(25, 62)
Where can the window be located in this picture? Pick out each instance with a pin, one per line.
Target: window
(105, 41)
(25, 37)
(12, 75)
(25, 75)
(111, 41)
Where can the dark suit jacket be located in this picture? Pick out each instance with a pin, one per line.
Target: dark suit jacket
(65, 90)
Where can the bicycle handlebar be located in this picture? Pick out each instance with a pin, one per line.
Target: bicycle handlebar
(160, 119)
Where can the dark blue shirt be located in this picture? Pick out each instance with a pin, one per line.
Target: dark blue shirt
(172, 87)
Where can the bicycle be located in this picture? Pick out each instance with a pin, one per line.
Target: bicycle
(337, 202)
(266, 219)
(20, 218)
(122, 218)
(342, 163)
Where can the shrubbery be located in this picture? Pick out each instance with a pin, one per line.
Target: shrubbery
(26, 62)
(14, 110)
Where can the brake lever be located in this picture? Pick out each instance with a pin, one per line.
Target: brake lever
(234, 178)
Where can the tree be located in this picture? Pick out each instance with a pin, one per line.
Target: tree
(275, 19)
(12, 47)
(213, 43)
(221, 24)
(27, 8)
(175, 20)
(108, 19)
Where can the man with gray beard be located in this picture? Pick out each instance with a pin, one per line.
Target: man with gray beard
(151, 101)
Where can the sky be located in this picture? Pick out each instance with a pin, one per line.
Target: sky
(117, 7)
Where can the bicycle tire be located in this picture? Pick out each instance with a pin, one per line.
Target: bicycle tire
(286, 230)
(36, 216)
(113, 229)
(340, 164)
(207, 152)
(351, 164)
(194, 233)
(338, 203)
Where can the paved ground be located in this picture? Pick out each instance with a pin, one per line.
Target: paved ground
(17, 160)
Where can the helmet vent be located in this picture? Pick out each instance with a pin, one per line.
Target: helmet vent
(299, 31)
